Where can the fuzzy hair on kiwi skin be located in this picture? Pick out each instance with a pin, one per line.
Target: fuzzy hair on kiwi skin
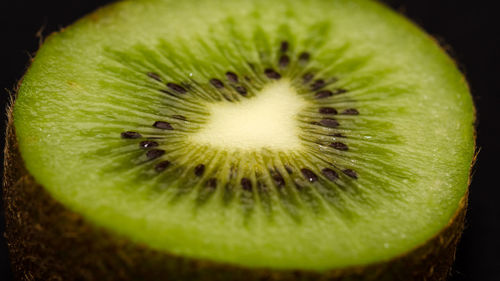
(47, 241)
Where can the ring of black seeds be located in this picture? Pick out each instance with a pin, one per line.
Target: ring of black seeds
(319, 88)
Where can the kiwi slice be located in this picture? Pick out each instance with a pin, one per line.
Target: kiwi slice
(239, 140)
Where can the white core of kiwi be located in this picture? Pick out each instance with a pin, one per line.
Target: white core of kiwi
(268, 120)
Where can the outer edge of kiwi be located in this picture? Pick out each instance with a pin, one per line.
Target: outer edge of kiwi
(48, 241)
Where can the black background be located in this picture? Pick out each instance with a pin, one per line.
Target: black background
(470, 28)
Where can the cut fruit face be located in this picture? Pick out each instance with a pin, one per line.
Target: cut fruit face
(288, 134)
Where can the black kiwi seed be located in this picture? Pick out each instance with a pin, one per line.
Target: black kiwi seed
(309, 175)
(241, 90)
(350, 173)
(284, 46)
(131, 135)
(176, 87)
(339, 146)
(318, 84)
(304, 57)
(327, 110)
(232, 77)
(350, 111)
(212, 183)
(284, 61)
(271, 74)
(323, 94)
(199, 170)
(163, 125)
(338, 135)
(154, 76)
(288, 169)
(148, 144)
(330, 174)
(328, 122)
(154, 153)
(160, 167)
(179, 117)
(306, 78)
(278, 178)
(246, 184)
(216, 83)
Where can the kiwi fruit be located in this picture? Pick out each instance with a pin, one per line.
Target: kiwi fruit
(238, 140)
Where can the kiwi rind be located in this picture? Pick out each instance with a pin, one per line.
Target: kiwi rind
(48, 241)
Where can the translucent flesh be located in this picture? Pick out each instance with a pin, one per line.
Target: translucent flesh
(411, 145)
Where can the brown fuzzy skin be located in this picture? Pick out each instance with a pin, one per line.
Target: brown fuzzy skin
(47, 241)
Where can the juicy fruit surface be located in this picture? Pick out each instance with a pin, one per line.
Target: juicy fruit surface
(284, 134)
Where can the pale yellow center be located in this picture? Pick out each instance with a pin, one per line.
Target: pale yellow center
(268, 120)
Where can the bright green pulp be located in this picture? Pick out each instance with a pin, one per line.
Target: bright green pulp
(404, 83)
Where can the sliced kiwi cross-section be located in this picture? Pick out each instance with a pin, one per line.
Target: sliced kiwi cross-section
(239, 140)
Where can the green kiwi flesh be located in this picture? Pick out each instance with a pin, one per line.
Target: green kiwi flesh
(285, 135)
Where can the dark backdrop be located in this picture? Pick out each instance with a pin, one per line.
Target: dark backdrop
(468, 27)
